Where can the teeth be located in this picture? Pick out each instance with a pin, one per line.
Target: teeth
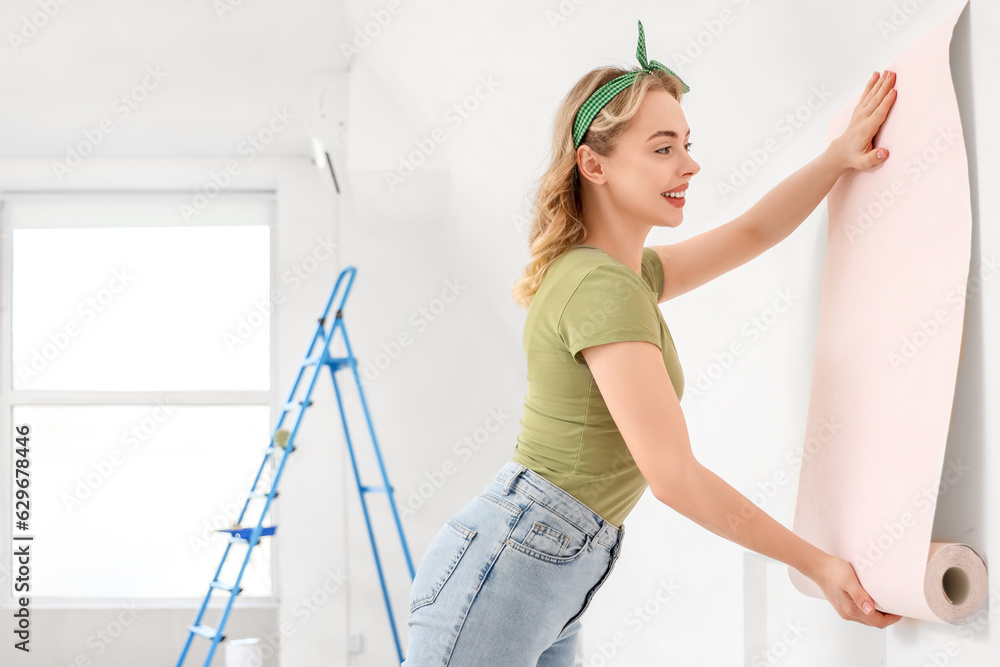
(678, 195)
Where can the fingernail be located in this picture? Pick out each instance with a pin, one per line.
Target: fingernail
(881, 154)
(867, 606)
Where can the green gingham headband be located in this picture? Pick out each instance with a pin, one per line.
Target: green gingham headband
(604, 94)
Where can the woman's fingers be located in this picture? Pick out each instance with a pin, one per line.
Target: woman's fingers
(883, 107)
(875, 619)
(872, 89)
(869, 87)
(880, 91)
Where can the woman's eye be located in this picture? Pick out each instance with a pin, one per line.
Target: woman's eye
(667, 148)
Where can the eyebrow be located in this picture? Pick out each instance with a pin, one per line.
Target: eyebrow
(666, 133)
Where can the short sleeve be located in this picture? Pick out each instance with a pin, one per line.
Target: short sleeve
(652, 271)
(610, 305)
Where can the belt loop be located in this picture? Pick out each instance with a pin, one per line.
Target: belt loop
(603, 535)
(506, 487)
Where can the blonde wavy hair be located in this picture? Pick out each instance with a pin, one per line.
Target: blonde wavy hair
(556, 225)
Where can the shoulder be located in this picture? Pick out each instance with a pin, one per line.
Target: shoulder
(607, 302)
(591, 272)
(586, 276)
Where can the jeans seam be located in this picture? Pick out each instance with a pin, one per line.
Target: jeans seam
(509, 506)
(540, 503)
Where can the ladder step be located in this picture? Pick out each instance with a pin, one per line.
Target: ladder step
(272, 450)
(294, 405)
(338, 362)
(262, 494)
(375, 489)
(312, 361)
(206, 631)
(243, 534)
(218, 585)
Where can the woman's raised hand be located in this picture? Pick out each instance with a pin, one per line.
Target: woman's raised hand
(854, 146)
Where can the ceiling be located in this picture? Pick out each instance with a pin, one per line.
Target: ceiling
(225, 70)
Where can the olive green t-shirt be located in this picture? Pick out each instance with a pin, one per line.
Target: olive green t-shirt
(587, 297)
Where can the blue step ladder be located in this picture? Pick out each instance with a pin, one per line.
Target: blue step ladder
(281, 446)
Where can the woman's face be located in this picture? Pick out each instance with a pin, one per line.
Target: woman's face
(651, 157)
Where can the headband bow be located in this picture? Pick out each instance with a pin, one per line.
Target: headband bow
(604, 94)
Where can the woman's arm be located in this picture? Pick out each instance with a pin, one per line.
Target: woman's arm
(786, 205)
(706, 256)
(637, 390)
(781, 210)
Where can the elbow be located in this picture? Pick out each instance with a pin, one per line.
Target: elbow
(670, 487)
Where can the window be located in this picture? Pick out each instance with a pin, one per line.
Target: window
(139, 355)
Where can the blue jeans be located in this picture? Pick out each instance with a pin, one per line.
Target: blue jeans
(507, 578)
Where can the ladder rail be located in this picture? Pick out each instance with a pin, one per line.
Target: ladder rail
(267, 458)
(316, 360)
(378, 450)
(368, 523)
(257, 529)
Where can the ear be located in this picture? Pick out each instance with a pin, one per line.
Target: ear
(588, 163)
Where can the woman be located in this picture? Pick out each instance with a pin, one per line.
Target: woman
(507, 578)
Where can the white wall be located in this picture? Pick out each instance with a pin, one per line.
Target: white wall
(756, 64)
(460, 218)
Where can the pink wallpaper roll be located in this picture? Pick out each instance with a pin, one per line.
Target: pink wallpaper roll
(887, 353)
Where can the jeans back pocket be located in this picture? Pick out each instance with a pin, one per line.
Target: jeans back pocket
(441, 559)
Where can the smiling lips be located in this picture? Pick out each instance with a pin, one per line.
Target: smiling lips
(676, 196)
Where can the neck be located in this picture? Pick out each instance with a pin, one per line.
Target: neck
(620, 238)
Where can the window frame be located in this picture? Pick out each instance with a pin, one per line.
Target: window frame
(11, 398)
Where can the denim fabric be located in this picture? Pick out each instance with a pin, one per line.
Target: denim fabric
(507, 578)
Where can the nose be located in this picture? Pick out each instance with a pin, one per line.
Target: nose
(693, 167)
